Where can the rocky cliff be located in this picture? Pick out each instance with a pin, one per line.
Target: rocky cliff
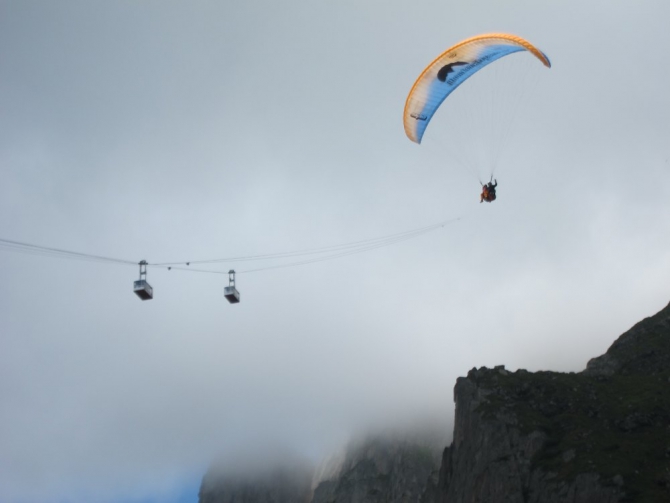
(602, 435)
(598, 436)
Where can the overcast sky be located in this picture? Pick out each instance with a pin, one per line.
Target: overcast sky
(179, 131)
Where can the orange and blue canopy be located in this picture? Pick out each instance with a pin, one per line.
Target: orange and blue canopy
(453, 67)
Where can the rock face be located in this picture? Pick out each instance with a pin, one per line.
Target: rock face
(643, 350)
(382, 471)
(600, 436)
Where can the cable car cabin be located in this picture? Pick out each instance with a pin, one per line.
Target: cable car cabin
(143, 289)
(231, 293)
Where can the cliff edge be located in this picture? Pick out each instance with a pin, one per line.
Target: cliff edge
(598, 436)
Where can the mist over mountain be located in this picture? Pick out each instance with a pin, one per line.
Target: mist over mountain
(393, 466)
(597, 436)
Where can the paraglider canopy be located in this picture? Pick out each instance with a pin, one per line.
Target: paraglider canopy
(453, 67)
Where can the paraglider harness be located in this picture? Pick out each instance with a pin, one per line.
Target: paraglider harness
(489, 191)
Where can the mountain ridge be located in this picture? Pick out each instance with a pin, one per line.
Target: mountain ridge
(601, 435)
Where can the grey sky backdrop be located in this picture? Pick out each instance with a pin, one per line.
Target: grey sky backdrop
(172, 131)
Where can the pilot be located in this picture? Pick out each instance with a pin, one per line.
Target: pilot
(489, 192)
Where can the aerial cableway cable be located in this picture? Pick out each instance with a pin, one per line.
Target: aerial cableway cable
(327, 253)
(318, 254)
(332, 251)
(31, 249)
(304, 256)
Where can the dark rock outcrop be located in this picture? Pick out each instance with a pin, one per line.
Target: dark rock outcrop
(600, 436)
(643, 350)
